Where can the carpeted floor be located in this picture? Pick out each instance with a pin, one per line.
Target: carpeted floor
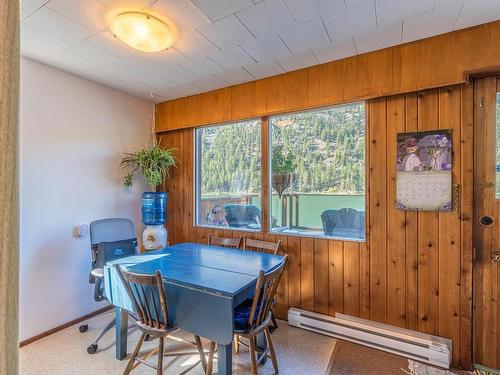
(299, 352)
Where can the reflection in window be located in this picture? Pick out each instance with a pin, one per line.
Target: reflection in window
(318, 172)
(497, 159)
(228, 175)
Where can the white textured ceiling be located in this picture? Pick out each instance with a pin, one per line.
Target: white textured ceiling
(225, 42)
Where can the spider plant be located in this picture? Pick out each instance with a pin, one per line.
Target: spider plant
(283, 161)
(283, 165)
(153, 162)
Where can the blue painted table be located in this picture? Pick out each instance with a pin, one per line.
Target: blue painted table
(203, 285)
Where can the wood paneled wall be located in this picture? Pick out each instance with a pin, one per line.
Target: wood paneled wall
(9, 219)
(414, 270)
(434, 62)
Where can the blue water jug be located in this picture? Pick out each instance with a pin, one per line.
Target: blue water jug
(154, 206)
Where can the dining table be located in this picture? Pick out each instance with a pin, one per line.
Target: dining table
(203, 285)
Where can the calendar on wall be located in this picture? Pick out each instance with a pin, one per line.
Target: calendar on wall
(423, 179)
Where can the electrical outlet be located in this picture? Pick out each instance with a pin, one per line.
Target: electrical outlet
(82, 230)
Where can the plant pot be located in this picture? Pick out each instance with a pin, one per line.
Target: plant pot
(281, 182)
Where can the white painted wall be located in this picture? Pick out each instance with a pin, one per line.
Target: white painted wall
(73, 134)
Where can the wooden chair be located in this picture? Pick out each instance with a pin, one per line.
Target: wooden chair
(263, 247)
(253, 317)
(150, 302)
(225, 242)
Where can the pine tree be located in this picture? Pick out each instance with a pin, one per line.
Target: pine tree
(329, 147)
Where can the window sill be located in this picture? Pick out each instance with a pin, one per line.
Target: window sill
(307, 235)
(318, 236)
(236, 229)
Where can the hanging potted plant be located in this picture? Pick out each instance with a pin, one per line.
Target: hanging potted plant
(154, 163)
(283, 165)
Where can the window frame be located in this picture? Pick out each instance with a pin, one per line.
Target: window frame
(266, 175)
(269, 229)
(197, 175)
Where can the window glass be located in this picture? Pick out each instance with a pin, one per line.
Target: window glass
(318, 172)
(228, 175)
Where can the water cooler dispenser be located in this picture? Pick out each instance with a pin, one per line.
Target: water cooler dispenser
(154, 206)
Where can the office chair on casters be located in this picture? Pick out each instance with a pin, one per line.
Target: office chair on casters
(109, 239)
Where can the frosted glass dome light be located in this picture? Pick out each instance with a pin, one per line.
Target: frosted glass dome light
(142, 31)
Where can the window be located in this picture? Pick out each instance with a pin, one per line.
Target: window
(228, 177)
(318, 172)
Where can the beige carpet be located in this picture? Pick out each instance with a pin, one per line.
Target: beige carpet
(299, 352)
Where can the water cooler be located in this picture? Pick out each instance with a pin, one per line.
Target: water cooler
(154, 206)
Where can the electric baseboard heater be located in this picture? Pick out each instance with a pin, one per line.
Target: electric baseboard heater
(406, 343)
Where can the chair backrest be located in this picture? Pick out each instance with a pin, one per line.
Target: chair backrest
(107, 231)
(148, 298)
(345, 218)
(262, 246)
(112, 229)
(266, 287)
(107, 251)
(225, 242)
(242, 215)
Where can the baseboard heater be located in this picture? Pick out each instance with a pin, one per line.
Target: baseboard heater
(406, 343)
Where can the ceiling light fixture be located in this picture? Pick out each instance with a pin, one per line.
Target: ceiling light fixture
(142, 31)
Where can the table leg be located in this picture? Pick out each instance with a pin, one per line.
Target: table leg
(121, 317)
(225, 359)
(262, 346)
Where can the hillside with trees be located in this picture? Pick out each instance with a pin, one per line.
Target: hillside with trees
(328, 148)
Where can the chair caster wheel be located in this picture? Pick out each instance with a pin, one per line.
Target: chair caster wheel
(83, 328)
(92, 349)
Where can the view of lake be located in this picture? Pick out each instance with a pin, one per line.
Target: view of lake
(310, 206)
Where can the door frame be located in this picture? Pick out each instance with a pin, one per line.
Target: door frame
(485, 89)
(9, 202)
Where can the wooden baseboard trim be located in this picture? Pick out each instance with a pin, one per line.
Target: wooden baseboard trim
(63, 326)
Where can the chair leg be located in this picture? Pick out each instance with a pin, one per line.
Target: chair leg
(210, 363)
(275, 323)
(253, 359)
(201, 351)
(236, 344)
(110, 325)
(130, 364)
(159, 371)
(271, 350)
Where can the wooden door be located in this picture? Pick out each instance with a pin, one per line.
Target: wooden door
(487, 222)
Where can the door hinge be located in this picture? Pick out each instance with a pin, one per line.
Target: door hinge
(481, 102)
